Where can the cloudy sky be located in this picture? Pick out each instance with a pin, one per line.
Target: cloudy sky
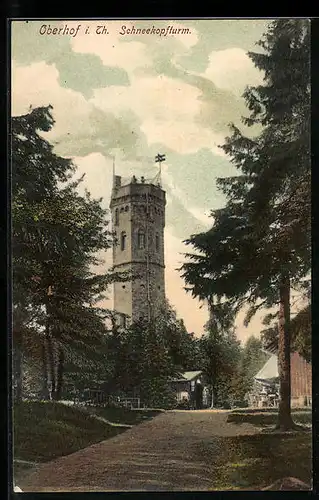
(130, 95)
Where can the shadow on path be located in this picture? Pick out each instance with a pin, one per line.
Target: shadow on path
(177, 450)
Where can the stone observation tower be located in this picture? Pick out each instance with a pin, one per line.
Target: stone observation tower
(138, 220)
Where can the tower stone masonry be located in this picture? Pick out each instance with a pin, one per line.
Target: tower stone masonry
(138, 221)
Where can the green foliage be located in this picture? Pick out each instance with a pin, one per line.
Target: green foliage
(264, 229)
(146, 356)
(56, 234)
(300, 328)
(253, 358)
(144, 365)
(260, 244)
(220, 359)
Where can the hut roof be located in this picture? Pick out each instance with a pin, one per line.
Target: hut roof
(188, 376)
(269, 371)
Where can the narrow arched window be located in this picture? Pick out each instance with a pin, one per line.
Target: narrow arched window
(157, 242)
(123, 240)
(117, 218)
(150, 239)
(141, 239)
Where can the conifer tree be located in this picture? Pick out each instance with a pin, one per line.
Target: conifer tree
(259, 245)
(56, 234)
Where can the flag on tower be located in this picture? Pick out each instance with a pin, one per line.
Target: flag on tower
(159, 158)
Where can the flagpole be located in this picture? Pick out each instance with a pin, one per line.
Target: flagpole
(113, 169)
(158, 159)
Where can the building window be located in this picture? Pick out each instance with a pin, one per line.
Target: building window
(141, 240)
(126, 208)
(123, 240)
(117, 218)
(157, 242)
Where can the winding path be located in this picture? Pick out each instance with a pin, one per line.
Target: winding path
(177, 450)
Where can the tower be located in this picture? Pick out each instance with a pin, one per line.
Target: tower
(138, 220)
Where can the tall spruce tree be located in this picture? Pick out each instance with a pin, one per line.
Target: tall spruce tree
(259, 245)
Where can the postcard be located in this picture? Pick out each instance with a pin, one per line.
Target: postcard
(161, 255)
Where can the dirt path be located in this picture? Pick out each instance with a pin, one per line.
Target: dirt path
(175, 451)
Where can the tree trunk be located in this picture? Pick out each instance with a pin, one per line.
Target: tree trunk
(60, 372)
(212, 400)
(50, 350)
(285, 421)
(45, 375)
(51, 364)
(18, 365)
(18, 373)
(214, 396)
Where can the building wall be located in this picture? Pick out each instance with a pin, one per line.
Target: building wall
(301, 381)
(138, 210)
(123, 293)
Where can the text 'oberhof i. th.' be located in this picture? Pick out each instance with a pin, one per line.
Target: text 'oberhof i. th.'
(47, 29)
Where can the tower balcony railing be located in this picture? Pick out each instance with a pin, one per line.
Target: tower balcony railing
(125, 181)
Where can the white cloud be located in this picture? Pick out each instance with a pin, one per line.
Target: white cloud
(38, 85)
(232, 69)
(198, 213)
(184, 137)
(111, 50)
(98, 176)
(167, 109)
(158, 98)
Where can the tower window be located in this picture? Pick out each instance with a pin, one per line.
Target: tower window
(123, 321)
(157, 242)
(117, 218)
(123, 240)
(150, 239)
(141, 240)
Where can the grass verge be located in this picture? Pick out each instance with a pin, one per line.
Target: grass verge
(264, 419)
(253, 462)
(44, 431)
(124, 415)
